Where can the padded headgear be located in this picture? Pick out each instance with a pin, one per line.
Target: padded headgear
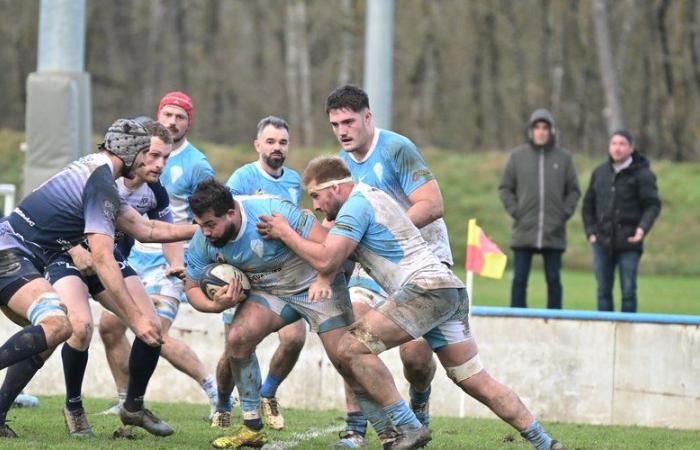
(125, 138)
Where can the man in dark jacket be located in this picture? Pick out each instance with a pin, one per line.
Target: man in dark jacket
(620, 207)
(539, 189)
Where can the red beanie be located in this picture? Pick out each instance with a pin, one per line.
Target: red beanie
(179, 99)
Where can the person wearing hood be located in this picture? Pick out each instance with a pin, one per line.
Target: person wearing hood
(539, 189)
(619, 209)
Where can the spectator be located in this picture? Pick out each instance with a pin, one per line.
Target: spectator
(539, 189)
(619, 209)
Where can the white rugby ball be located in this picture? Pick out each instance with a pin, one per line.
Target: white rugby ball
(219, 274)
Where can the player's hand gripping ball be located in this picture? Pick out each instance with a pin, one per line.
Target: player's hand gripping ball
(219, 274)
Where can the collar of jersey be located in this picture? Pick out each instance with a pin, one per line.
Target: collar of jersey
(179, 150)
(375, 139)
(267, 175)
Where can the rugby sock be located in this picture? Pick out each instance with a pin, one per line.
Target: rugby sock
(402, 417)
(143, 360)
(224, 402)
(374, 413)
(16, 378)
(23, 344)
(246, 375)
(356, 422)
(419, 397)
(209, 386)
(537, 437)
(74, 363)
(269, 387)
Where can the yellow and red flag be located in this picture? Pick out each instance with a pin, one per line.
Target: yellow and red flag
(483, 256)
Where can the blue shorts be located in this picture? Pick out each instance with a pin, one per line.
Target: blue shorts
(322, 316)
(63, 267)
(439, 315)
(16, 270)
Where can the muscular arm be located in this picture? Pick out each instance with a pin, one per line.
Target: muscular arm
(102, 249)
(135, 225)
(426, 204)
(174, 253)
(324, 252)
(227, 297)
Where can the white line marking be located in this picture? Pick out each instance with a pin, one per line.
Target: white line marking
(298, 438)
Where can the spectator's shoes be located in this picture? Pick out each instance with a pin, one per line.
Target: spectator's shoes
(145, 419)
(242, 437)
(409, 440)
(350, 439)
(221, 419)
(271, 413)
(77, 423)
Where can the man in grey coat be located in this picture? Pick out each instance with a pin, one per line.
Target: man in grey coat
(539, 189)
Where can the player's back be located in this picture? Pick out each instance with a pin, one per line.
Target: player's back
(390, 247)
(252, 179)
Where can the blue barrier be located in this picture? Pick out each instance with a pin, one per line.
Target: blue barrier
(569, 314)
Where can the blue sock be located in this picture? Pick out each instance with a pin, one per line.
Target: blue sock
(356, 422)
(374, 413)
(74, 364)
(419, 397)
(402, 417)
(246, 374)
(143, 360)
(16, 378)
(537, 437)
(269, 387)
(27, 342)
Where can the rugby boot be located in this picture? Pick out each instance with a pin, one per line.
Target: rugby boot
(145, 419)
(221, 419)
(77, 423)
(242, 437)
(556, 445)
(350, 439)
(271, 413)
(6, 431)
(409, 440)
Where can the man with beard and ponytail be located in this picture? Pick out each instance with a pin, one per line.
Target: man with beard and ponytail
(157, 266)
(79, 203)
(267, 175)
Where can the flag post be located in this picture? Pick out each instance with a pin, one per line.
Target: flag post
(469, 282)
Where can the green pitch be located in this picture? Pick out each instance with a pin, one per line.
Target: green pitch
(43, 427)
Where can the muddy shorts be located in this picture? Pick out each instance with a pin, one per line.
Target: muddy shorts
(438, 315)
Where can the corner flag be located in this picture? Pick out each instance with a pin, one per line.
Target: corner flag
(483, 256)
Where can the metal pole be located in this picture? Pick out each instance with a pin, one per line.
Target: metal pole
(61, 36)
(379, 51)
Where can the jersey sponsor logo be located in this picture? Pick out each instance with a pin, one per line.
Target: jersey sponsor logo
(108, 210)
(259, 192)
(20, 213)
(344, 227)
(143, 202)
(421, 173)
(164, 212)
(258, 276)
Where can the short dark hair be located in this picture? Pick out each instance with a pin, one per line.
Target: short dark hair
(156, 129)
(211, 195)
(325, 168)
(347, 97)
(276, 122)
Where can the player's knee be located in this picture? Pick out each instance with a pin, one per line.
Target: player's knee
(466, 370)
(239, 346)
(49, 312)
(359, 340)
(82, 333)
(294, 341)
(417, 358)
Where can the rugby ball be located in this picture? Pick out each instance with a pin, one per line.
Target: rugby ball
(218, 274)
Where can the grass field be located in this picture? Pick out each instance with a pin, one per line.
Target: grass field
(660, 294)
(43, 427)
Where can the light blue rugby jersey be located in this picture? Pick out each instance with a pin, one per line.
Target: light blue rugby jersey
(394, 165)
(269, 264)
(185, 169)
(251, 179)
(390, 248)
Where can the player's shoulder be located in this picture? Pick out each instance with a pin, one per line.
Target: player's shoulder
(392, 145)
